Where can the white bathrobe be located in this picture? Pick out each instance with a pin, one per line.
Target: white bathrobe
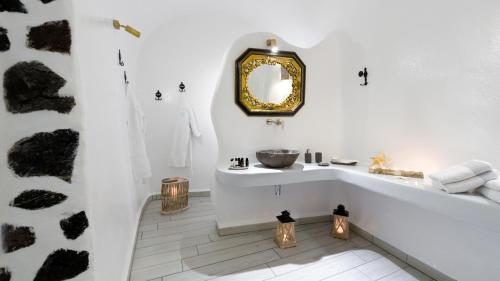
(185, 126)
(141, 167)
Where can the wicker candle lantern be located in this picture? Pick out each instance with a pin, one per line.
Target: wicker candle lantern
(340, 225)
(285, 232)
(174, 195)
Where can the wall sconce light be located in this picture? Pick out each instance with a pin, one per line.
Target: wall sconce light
(273, 44)
(128, 28)
(285, 232)
(340, 225)
(174, 195)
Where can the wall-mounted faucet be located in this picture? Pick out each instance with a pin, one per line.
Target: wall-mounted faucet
(277, 122)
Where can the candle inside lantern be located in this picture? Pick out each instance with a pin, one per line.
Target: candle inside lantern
(340, 226)
(285, 231)
(174, 195)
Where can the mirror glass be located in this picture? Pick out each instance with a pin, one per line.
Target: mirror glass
(270, 83)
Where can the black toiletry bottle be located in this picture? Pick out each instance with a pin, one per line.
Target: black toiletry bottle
(318, 157)
(246, 162)
(308, 156)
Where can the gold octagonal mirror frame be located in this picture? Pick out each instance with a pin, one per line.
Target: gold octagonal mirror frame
(252, 59)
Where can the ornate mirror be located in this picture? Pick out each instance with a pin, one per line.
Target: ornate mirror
(270, 83)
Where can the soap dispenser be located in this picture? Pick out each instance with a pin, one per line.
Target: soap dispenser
(308, 156)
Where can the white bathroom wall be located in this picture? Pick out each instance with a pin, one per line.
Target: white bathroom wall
(315, 125)
(115, 198)
(186, 41)
(432, 66)
(433, 93)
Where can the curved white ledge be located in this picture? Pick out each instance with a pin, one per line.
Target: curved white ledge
(472, 209)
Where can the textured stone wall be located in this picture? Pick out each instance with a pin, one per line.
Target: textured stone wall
(43, 220)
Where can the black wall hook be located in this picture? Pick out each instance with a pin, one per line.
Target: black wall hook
(364, 74)
(120, 61)
(182, 87)
(158, 95)
(125, 77)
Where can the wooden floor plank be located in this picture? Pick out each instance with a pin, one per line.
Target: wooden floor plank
(224, 268)
(156, 271)
(160, 258)
(324, 268)
(186, 246)
(227, 254)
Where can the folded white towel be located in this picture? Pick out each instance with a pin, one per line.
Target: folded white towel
(461, 172)
(493, 184)
(489, 193)
(467, 184)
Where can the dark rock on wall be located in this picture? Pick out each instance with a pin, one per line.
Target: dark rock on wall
(75, 225)
(45, 154)
(63, 264)
(4, 40)
(16, 237)
(4, 274)
(54, 36)
(12, 6)
(37, 199)
(31, 86)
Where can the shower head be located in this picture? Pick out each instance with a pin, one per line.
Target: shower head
(128, 28)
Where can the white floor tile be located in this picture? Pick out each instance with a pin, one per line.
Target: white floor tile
(322, 269)
(159, 258)
(224, 268)
(156, 271)
(379, 268)
(407, 274)
(350, 275)
(308, 258)
(186, 246)
(227, 254)
(261, 272)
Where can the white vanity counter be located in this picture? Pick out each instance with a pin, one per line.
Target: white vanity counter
(418, 192)
(458, 234)
(258, 175)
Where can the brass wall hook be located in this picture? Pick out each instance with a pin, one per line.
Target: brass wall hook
(117, 25)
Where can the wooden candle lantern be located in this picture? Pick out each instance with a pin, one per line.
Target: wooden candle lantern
(285, 232)
(340, 225)
(174, 195)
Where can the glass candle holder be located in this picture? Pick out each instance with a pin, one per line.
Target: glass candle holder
(285, 232)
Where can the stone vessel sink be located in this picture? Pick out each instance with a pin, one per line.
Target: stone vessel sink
(277, 158)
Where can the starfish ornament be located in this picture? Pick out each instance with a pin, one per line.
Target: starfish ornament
(380, 160)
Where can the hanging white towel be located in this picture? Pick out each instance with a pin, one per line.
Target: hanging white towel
(466, 185)
(185, 126)
(141, 167)
(461, 172)
(491, 194)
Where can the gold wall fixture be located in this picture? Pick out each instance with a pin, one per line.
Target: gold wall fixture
(117, 25)
(270, 83)
(273, 44)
